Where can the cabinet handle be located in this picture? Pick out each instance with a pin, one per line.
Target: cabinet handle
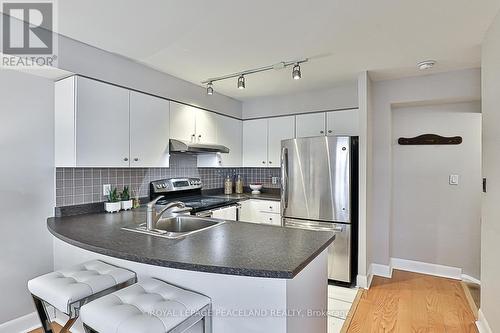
(263, 162)
(329, 131)
(270, 162)
(125, 159)
(136, 159)
(271, 207)
(321, 132)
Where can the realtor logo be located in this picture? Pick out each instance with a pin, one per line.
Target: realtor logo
(27, 33)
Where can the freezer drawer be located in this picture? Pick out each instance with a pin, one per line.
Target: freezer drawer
(339, 253)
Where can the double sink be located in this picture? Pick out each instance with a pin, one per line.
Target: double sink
(177, 226)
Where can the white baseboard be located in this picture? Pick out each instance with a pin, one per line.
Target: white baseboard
(418, 267)
(362, 281)
(482, 324)
(468, 278)
(22, 324)
(426, 268)
(381, 270)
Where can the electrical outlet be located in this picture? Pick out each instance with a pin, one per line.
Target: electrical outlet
(106, 188)
(275, 180)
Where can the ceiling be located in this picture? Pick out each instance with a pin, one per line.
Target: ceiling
(198, 39)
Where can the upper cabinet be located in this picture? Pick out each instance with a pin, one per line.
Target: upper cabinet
(229, 134)
(255, 143)
(345, 122)
(182, 122)
(192, 124)
(262, 140)
(102, 125)
(279, 128)
(149, 131)
(312, 124)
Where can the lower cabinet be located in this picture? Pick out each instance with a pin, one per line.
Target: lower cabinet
(260, 211)
(227, 213)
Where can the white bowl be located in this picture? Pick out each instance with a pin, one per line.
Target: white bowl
(256, 188)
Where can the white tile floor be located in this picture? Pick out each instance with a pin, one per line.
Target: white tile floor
(339, 303)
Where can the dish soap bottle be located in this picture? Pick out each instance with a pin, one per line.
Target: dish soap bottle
(228, 185)
(239, 185)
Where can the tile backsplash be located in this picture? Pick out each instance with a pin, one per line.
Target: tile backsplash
(76, 186)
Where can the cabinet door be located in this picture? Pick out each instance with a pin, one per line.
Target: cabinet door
(149, 131)
(182, 121)
(255, 143)
(102, 124)
(278, 129)
(228, 213)
(248, 211)
(206, 126)
(229, 134)
(310, 125)
(343, 122)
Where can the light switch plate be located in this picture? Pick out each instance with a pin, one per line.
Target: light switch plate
(453, 179)
(106, 188)
(275, 180)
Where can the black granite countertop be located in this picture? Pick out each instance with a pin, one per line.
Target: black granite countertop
(235, 248)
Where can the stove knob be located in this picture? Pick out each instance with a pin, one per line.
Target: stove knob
(158, 186)
(164, 186)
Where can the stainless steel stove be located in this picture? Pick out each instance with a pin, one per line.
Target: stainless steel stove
(189, 191)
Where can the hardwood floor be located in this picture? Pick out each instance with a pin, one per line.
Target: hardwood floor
(55, 327)
(411, 302)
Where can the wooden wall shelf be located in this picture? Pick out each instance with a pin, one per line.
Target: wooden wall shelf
(431, 139)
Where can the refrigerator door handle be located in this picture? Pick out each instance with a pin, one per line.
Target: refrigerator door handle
(284, 179)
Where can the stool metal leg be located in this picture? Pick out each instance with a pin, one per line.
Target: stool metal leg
(42, 314)
(207, 320)
(88, 329)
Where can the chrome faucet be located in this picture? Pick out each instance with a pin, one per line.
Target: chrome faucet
(153, 217)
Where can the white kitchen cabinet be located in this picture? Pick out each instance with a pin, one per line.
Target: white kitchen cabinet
(255, 143)
(189, 123)
(260, 211)
(262, 140)
(206, 126)
(343, 122)
(312, 124)
(102, 124)
(229, 134)
(149, 131)
(226, 213)
(182, 122)
(278, 129)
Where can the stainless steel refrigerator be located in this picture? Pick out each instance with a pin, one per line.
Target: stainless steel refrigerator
(319, 192)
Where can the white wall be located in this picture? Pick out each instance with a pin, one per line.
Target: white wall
(448, 87)
(433, 221)
(339, 97)
(26, 186)
(86, 60)
(490, 231)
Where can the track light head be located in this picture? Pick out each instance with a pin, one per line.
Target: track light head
(241, 82)
(296, 74)
(210, 89)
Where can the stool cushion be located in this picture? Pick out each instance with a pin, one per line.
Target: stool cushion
(149, 306)
(65, 286)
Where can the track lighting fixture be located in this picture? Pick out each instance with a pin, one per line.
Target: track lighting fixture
(241, 82)
(210, 89)
(296, 74)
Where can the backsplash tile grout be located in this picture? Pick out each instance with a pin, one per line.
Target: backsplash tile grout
(76, 186)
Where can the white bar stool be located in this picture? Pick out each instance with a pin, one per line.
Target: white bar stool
(70, 288)
(149, 306)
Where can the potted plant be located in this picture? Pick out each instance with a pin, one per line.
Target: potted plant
(113, 205)
(126, 202)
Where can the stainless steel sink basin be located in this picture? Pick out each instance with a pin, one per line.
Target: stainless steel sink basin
(177, 227)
